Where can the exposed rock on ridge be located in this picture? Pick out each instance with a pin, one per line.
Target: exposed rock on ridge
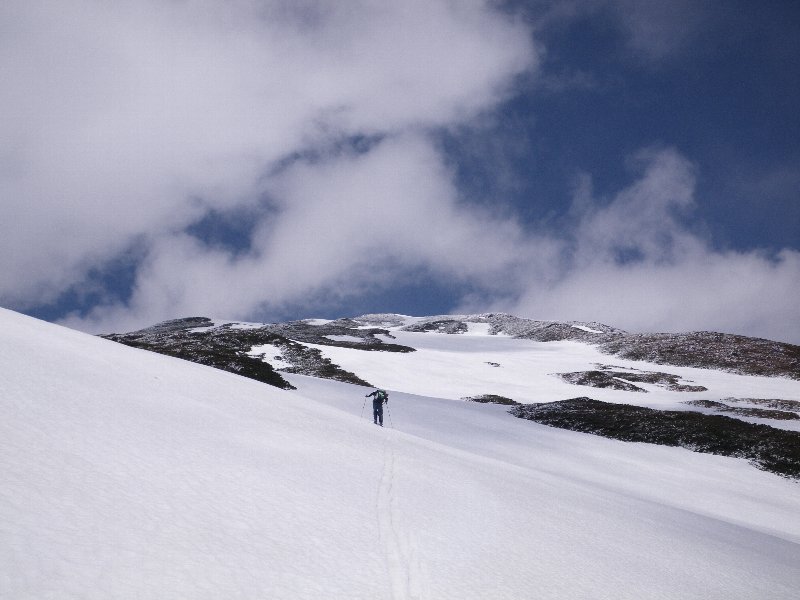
(765, 447)
(606, 377)
(709, 350)
(228, 347)
(702, 349)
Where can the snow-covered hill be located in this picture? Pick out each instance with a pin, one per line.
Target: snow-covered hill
(128, 474)
(710, 392)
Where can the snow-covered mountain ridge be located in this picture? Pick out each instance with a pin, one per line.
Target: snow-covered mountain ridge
(728, 352)
(127, 474)
(537, 363)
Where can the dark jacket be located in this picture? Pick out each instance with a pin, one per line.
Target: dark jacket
(380, 397)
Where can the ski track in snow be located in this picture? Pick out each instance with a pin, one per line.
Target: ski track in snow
(400, 545)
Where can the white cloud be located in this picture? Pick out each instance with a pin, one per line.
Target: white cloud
(636, 264)
(127, 121)
(354, 220)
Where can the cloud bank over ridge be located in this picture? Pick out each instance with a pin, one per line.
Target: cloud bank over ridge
(312, 126)
(637, 261)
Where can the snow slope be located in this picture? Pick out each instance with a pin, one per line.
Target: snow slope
(457, 366)
(126, 474)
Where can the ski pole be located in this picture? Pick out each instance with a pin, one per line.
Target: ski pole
(362, 407)
(389, 412)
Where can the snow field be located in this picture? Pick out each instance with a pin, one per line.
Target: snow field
(587, 329)
(126, 474)
(270, 353)
(132, 476)
(456, 366)
(697, 483)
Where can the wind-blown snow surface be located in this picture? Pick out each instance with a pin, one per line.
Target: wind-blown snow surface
(127, 474)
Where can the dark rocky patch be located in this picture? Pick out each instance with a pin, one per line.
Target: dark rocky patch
(501, 323)
(309, 361)
(761, 413)
(764, 413)
(599, 379)
(792, 405)
(549, 331)
(303, 331)
(223, 349)
(707, 404)
(227, 347)
(442, 326)
(767, 448)
(709, 350)
(665, 380)
(491, 399)
(381, 320)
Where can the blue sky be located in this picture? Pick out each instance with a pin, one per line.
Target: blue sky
(631, 162)
(725, 96)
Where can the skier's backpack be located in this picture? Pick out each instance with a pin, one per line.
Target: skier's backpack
(382, 396)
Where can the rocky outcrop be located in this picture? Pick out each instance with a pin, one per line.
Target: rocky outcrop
(607, 377)
(229, 347)
(708, 350)
(491, 399)
(746, 411)
(767, 448)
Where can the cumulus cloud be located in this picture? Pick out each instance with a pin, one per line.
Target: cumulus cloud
(357, 219)
(128, 125)
(637, 262)
(127, 122)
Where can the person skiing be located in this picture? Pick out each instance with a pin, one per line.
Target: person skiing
(380, 397)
